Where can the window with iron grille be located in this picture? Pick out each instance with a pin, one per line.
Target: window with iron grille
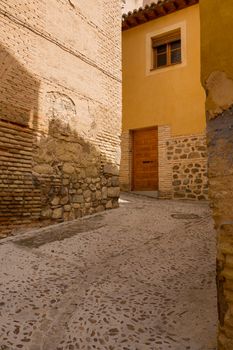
(167, 49)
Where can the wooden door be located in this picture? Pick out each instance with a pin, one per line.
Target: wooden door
(145, 160)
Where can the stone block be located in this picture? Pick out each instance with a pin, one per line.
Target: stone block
(186, 181)
(99, 209)
(92, 171)
(72, 214)
(179, 195)
(183, 156)
(104, 192)
(67, 207)
(98, 195)
(78, 198)
(64, 200)
(176, 183)
(87, 194)
(115, 204)
(111, 169)
(43, 169)
(201, 148)
(77, 213)
(198, 181)
(68, 168)
(66, 216)
(194, 155)
(92, 187)
(115, 181)
(46, 213)
(109, 205)
(191, 196)
(201, 198)
(114, 192)
(104, 181)
(55, 201)
(57, 213)
(82, 173)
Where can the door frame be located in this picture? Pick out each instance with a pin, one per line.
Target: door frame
(132, 158)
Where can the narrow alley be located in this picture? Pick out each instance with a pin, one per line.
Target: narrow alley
(135, 278)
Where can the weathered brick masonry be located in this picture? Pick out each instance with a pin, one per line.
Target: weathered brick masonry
(60, 110)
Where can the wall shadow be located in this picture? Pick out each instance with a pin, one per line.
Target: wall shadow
(45, 177)
(18, 92)
(18, 121)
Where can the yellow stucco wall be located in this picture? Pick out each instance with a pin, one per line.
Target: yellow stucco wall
(217, 53)
(174, 97)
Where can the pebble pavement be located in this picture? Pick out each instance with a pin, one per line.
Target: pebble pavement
(141, 277)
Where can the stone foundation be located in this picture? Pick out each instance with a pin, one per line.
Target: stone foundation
(187, 156)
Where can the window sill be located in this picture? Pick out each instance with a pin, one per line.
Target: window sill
(166, 67)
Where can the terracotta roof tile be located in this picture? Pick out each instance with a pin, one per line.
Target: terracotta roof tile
(153, 11)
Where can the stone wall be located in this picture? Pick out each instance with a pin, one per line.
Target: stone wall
(60, 110)
(187, 155)
(217, 78)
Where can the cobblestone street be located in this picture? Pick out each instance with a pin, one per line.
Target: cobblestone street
(135, 278)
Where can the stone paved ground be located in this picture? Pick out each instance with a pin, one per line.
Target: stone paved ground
(136, 278)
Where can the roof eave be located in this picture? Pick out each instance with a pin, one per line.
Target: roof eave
(154, 11)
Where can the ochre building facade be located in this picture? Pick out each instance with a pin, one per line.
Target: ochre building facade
(162, 90)
(60, 110)
(217, 78)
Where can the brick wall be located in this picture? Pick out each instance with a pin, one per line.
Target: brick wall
(126, 161)
(165, 171)
(60, 109)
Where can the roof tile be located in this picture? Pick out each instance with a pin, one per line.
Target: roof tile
(153, 11)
